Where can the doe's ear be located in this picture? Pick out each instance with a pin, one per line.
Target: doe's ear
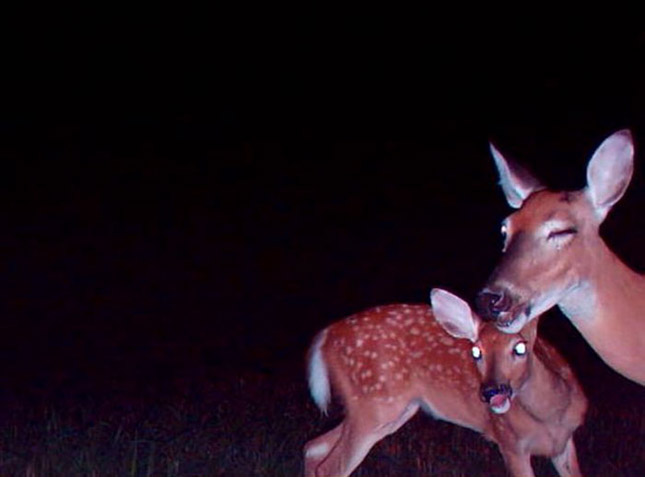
(454, 315)
(609, 171)
(517, 182)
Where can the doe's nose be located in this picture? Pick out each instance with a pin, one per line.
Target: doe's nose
(491, 303)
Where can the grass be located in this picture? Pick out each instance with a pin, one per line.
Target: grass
(254, 422)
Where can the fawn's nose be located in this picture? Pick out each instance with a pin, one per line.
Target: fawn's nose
(489, 390)
(491, 303)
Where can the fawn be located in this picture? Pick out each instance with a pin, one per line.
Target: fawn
(386, 362)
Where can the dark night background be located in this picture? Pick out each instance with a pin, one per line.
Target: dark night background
(199, 200)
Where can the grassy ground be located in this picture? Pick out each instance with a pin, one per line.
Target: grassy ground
(245, 422)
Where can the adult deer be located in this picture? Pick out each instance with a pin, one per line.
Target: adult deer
(554, 255)
(388, 361)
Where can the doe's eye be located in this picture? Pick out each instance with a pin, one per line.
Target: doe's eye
(561, 233)
(476, 352)
(520, 348)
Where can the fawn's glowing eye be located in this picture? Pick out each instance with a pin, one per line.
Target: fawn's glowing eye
(504, 232)
(476, 352)
(520, 348)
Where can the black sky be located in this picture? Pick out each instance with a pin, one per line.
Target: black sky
(228, 191)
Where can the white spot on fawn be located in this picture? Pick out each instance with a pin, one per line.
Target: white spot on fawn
(447, 341)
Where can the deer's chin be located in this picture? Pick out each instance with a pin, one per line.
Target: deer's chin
(512, 322)
(502, 405)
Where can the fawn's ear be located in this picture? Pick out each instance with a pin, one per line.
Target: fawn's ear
(454, 315)
(610, 171)
(530, 330)
(517, 183)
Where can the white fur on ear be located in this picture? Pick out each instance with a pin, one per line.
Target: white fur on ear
(517, 183)
(610, 171)
(454, 315)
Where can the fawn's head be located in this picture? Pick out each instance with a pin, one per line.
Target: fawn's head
(503, 360)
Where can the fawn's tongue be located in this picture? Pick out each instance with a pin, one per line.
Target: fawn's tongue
(500, 403)
(497, 400)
